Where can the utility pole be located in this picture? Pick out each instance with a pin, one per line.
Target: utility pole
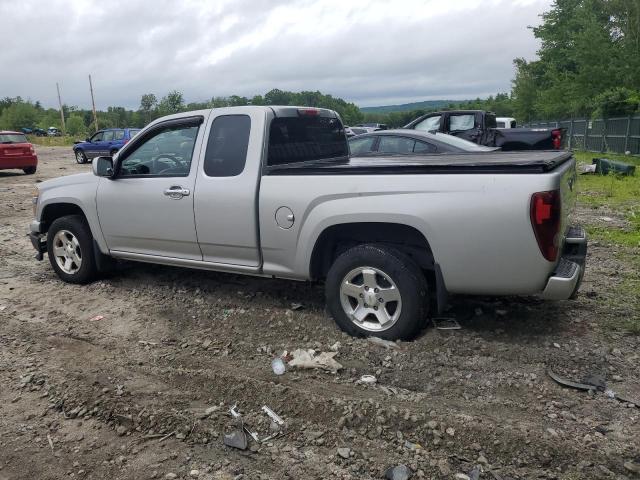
(93, 102)
(64, 128)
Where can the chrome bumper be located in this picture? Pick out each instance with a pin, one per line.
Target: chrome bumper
(567, 276)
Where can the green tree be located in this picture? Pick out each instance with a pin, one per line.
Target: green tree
(75, 125)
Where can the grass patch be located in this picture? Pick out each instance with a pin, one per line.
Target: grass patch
(51, 141)
(613, 192)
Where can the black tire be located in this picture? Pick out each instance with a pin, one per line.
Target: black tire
(77, 226)
(81, 157)
(401, 270)
(29, 170)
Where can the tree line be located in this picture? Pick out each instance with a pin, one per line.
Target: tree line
(17, 113)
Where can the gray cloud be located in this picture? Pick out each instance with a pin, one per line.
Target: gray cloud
(367, 51)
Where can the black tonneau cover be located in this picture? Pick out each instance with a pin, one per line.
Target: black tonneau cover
(472, 162)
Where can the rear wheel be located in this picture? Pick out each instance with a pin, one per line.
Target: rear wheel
(81, 157)
(29, 170)
(376, 290)
(70, 249)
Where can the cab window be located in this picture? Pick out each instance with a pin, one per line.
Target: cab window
(463, 122)
(168, 153)
(429, 124)
(360, 146)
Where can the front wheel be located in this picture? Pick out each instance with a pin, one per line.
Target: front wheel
(376, 290)
(70, 249)
(81, 157)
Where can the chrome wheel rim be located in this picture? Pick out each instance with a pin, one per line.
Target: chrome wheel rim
(79, 157)
(370, 298)
(66, 250)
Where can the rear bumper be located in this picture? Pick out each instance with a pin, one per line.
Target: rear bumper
(26, 161)
(566, 279)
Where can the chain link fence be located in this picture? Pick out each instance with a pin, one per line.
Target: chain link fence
(616, 135)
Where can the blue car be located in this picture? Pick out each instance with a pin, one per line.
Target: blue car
(103, 143)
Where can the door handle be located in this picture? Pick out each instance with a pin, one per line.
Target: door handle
(176, 192)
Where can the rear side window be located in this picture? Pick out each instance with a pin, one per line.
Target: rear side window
(118, 135)
(359, 146)
(424, 147)
(132, 132)
(227, 146)
(300, 139)
(462, 122)
(391, 144)
(108, 136)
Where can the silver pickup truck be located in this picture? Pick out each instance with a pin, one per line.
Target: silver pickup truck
(272, 191)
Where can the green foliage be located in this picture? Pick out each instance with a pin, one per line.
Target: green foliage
(75, 126)
(615, 102)
(589, 61)
(17, 115)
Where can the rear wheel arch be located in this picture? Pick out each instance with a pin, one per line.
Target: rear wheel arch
(336, 239)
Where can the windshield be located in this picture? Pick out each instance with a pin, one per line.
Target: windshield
(461, 143)
(300, 139)
(13, 138)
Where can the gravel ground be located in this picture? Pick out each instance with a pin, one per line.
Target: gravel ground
(132, 377)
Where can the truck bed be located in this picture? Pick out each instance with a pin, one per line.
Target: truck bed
(473, 162)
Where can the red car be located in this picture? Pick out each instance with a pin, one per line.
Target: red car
(17, 152)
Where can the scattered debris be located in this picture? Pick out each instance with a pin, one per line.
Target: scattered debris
(335, 347)
(236, 439)
(370, 379)
(605, 166)
(272, 415)
(96, 318)
(601, 386)
(50, 441)
(383, 343)
(278, 366)
(401, 472)
(308, 359)
(445, 323)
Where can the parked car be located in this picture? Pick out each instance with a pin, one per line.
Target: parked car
(53, 132)
(480, 127)
(39, 132)
(375, 126)
(16, 152)
(353, 131)
(278, 196)
(26, 130)
(103, 142)
(408, 142)
(505, 122)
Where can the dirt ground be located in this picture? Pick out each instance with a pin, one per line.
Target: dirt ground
(132, 377)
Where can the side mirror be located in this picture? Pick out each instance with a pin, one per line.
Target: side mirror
(102, 166)
(87, 140)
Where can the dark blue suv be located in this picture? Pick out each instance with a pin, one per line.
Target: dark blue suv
(103, 143)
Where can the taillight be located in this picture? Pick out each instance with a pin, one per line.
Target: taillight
(309, 112)
(546, 210)
(556, 139)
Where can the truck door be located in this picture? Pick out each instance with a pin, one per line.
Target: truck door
(226, 200)
(147, 208)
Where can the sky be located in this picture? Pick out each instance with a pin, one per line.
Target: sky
(370, 52)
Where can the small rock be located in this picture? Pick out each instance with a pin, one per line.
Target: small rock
(462, 476)
(401, 472)
(443, 465)
(482, 460)
(632, 467)
(557, 345)
(170, 476)
(552, 432)
(451, 431)
(344, 452)
(194, 473)
(121, 430)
